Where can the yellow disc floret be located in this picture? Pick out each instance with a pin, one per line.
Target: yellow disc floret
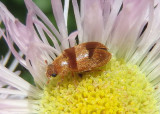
(116, 88)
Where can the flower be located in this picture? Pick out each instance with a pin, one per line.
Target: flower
(129, 83)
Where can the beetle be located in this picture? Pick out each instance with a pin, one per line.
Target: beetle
(83, 57)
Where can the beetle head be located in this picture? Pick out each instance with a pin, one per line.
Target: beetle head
(50, 71)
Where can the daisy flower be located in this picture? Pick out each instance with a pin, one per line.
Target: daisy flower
(128, 83)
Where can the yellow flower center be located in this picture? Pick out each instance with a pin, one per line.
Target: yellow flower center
(115, 88)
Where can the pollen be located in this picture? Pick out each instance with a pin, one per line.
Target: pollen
(116, 88)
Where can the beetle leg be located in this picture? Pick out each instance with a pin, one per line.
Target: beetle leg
(48, 79)
(62, 78)
(80, 75)
(46, 62)
(74, 79)
(98, 70)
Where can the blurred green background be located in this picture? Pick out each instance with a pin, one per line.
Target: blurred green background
(18, 9)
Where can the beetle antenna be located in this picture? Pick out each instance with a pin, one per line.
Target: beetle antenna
(46, 62)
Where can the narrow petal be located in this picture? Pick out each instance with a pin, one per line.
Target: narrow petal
(31, 6)
(15, 81)
(92, 21)
(66, 8)
(111, 20)
(28, 41)
(1, 32)
(71, 39)
(149, 38)
(11, 91)
(17, 106)
(9, 21)
(51, 36)
(15, 53)
(15, 63)
(3, 10)
(36, 58)
(58, 14)
(5, 60)
(128, 25)
(78, 20)
(106, 9)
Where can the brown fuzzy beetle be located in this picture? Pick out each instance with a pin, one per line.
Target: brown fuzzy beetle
(80, 58)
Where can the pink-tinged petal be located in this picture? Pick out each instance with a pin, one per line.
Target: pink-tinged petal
(4, 60)
(66, 8)
(15, 81)
(151, 63)
(3, 96)
(14, 64)
(71, 39)
(18, 106)
(31, 6)
(58, 14)
(17, 72)
(21, 35)
(1, 32)
(82, 8)
(156, 2)
(36, 58)
(6, 91)
(8, 19)
(92, 21)
(17, 30)
(27, 39)
(116, 5)
(41, 26)
(106, 9)
(11, 91)
(15, 53)
(128, 26)
(78, 20)
(150, 37)
(4, 11)
(31, 18)
(41, 33)
(16, 97)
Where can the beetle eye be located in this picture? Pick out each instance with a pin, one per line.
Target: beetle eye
(54, 75)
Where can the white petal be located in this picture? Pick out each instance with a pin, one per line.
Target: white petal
(58, 14)
(127, 27)
(31, 6)
(66, 8)
(36, 57)
(17, 106)
(111, 20)
(92, 21)
(14, 63)
(15, 81)
(78, 20)
(11, 91)
(51, 36)
(6, 58)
